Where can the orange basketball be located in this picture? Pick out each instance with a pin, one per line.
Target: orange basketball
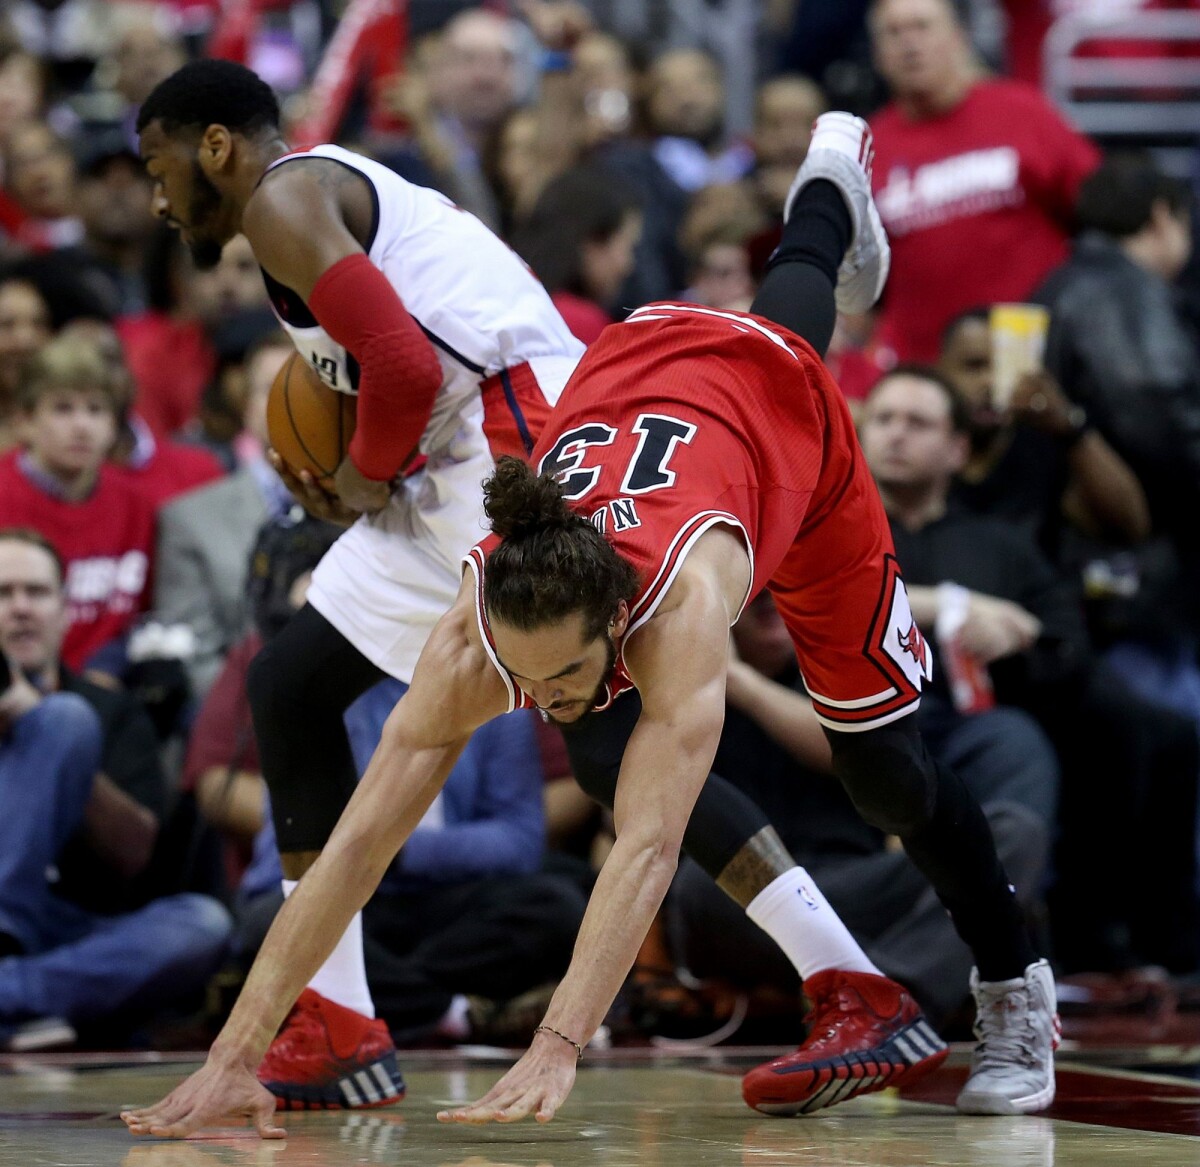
(309, 424)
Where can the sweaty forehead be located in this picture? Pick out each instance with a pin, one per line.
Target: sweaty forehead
(541, 653)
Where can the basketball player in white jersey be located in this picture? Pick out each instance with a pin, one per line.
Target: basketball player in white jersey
(455, 353)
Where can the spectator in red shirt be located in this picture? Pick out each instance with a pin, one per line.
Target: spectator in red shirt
(975, 178)
(159, 468)
(59, 485)
(169, 348)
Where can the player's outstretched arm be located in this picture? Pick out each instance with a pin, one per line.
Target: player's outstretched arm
(421, 741)
(664, 768)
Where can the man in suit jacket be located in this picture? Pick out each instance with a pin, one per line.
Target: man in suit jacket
(205, 537)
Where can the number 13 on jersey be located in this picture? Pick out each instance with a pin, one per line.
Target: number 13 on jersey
(648, 469)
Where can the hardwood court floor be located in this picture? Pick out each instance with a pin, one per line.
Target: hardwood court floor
(649, 1110)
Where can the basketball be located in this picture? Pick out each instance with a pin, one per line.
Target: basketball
(309, 424)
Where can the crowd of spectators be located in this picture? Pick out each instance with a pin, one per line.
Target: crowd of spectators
(627, 153)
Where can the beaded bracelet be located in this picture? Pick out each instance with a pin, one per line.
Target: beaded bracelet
(548, 1029)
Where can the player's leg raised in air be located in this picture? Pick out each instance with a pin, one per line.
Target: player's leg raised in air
(867, 700)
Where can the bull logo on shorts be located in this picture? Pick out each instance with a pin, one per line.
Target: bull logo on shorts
(905, 655)
(913, 643)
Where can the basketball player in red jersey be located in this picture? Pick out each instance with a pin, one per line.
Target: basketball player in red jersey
(695, 457)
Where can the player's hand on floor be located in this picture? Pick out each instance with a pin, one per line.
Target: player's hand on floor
(537, 1085)
(212, 1093)
(360, 494)
(312, 496)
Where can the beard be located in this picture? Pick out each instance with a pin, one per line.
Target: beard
(203, 207)
(610, 664)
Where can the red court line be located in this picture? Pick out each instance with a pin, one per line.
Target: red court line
(1126, 1099)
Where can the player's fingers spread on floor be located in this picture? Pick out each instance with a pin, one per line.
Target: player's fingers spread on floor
(262, 1116)
(452, 1115)
(140, 1121)
(484, 1109)
(549, 1107)
(497, 1109)
(518, 1109)
(474, 1115)
(267, 1129)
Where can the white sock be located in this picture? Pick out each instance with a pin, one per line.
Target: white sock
(794, 913)
(343, 976)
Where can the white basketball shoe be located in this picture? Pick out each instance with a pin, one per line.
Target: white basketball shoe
(1016, 1022)
(841, 152)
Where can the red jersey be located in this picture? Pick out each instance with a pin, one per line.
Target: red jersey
(977, 203)
(683, 418)
(106, 541)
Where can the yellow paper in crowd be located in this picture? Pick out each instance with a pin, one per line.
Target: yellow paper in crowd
(1018, 343)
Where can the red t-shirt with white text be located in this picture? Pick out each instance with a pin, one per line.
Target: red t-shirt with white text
(106, 541)
(977, 203)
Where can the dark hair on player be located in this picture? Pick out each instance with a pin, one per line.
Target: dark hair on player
(211, 92)
(960, 413)
(1118, 198)
(552, 562)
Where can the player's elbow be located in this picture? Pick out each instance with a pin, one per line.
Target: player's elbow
(402, 361)
(662, 862)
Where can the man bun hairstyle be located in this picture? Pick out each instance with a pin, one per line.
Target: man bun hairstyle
(552, 562)
(211, 92)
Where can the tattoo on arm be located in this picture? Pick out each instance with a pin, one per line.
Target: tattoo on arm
(762, 859)
(305, 215)
(331, 176)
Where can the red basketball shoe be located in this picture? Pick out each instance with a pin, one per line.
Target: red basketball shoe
(865, 1033)
(328, 1057)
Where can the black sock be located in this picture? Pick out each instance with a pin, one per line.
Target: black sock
(818, 231)
(797, 290)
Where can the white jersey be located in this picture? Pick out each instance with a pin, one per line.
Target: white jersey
(473, 297)
(505, 354)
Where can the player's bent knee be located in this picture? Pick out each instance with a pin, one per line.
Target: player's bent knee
(888, 775)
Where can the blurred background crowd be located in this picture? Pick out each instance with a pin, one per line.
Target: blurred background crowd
(1027, 151)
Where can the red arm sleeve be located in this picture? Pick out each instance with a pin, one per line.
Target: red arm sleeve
(399, 369)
